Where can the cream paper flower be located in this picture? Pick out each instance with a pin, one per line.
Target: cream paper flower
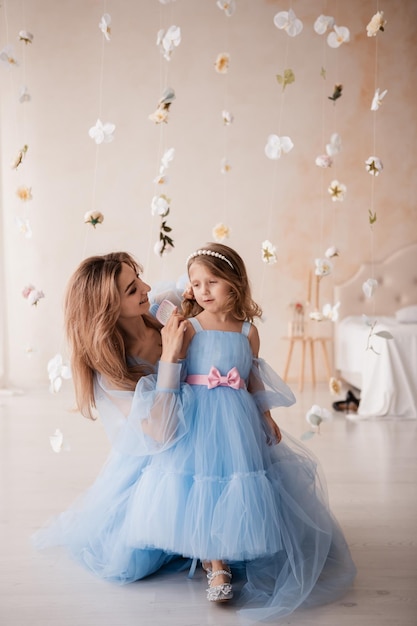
(93, 218)
(222, 63)
(374, 165)
(24, 193)
(377, 99)
(220, 232)
(104, 25)
(339, 35)
(376, 24)
(337, 191)
(228, 6)
(324, 267)
(335, 145)
(268, 252)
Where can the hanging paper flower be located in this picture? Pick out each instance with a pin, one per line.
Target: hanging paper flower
(324, 160)
(160, 205)
(337, 191)
(331, 312)
(227, 118)
(335, 386)
(335, 145)
(93, 218)
(376, 24)
(23, 226)
(377, 99)
(222, 63)
(24, 193)
(7, 56)
(161, 113)
(339, 35)
(369, 287)
(19, 157)
(324, 267)
(286, 79)
(163, 246)
(57, 442)
(268, 252)
(331, 252)
(32, 294)
(220, 232)
(25, 36)
(167, 157)
(315, 416)
(24, 95)
(168, 40)
(57, 371)
(225, 166)
(374, 165)
(102, 133)
(316, 316)
(287, 20)
(104, 25)
(275, 146)
(337, 93)
(228, 6)
(323, 23)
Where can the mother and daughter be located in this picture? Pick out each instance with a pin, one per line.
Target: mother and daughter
(199, 470)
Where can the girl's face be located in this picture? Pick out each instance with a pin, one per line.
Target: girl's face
(210, 291)
(133, 293)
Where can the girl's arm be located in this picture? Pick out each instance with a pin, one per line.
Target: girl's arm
(255, 384)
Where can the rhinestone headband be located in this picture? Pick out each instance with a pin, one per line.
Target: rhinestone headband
(209, 253)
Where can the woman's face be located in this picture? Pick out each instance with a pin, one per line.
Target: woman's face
(133, 293)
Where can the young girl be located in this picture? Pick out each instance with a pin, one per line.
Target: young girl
(253, 507)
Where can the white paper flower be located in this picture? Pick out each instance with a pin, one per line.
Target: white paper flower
(376, 24)
(339, 35)
(227, 118)
(323, 23)
(93, 218)
(369, 287)
(57, 371)
(335, 145)
(25, 36)
(316, 415)
(32, 294)
(160, 205)
(374, 165)
(287, 20)
(160, 248)
(324, 267)
(24, 95)
(7, 56)
(316, 316)
(331, 312)
(167, 158)
(23, 226)
(102, 133)
(377, 99)
(337, 191)
(228, 6)
(331, 252)
(168, 40)
(324, 160)
(56, 440)
(275, 146)
(104, 25)
(268, 252)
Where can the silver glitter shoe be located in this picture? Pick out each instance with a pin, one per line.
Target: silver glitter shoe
(219, 593)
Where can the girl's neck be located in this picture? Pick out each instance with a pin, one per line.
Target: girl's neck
(219, 321)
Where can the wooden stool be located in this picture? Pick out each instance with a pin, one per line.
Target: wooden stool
(307, 341)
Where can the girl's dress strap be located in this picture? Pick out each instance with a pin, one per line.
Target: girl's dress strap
(195, 324)
(246, 328)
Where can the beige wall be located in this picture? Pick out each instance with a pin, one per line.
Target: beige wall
(284, 201)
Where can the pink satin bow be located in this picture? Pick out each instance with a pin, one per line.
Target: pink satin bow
(232, 379)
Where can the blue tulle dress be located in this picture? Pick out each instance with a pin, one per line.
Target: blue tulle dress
(191, 476)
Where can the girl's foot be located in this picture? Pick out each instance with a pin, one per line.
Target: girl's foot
(220, 589)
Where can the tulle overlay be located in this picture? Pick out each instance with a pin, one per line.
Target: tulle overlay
(191, 475)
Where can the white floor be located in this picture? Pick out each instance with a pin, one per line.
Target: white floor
(371, 469)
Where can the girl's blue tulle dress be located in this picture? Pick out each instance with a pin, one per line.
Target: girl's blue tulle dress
(209, 486)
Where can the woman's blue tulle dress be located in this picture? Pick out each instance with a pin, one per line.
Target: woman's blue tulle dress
(212, 488)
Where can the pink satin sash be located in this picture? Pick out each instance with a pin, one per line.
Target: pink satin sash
(215, 379)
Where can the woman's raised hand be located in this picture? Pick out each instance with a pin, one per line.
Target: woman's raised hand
(173, 337)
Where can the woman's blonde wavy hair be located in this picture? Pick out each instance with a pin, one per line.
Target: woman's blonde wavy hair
(91, 313)
(240, 303)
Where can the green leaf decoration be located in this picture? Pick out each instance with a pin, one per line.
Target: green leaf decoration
(323, 73)
(384, 334)
(372, 217)
(308, 435)
(286, 79)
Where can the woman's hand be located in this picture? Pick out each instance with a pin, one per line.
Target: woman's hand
(173, 337)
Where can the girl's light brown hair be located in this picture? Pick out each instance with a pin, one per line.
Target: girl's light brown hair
(91, 313)
(240, 303)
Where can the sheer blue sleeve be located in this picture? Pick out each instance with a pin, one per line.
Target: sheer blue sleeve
(150, 419)
(267, 387)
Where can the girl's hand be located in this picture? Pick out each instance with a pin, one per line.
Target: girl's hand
(173, 337)
(275, 434)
